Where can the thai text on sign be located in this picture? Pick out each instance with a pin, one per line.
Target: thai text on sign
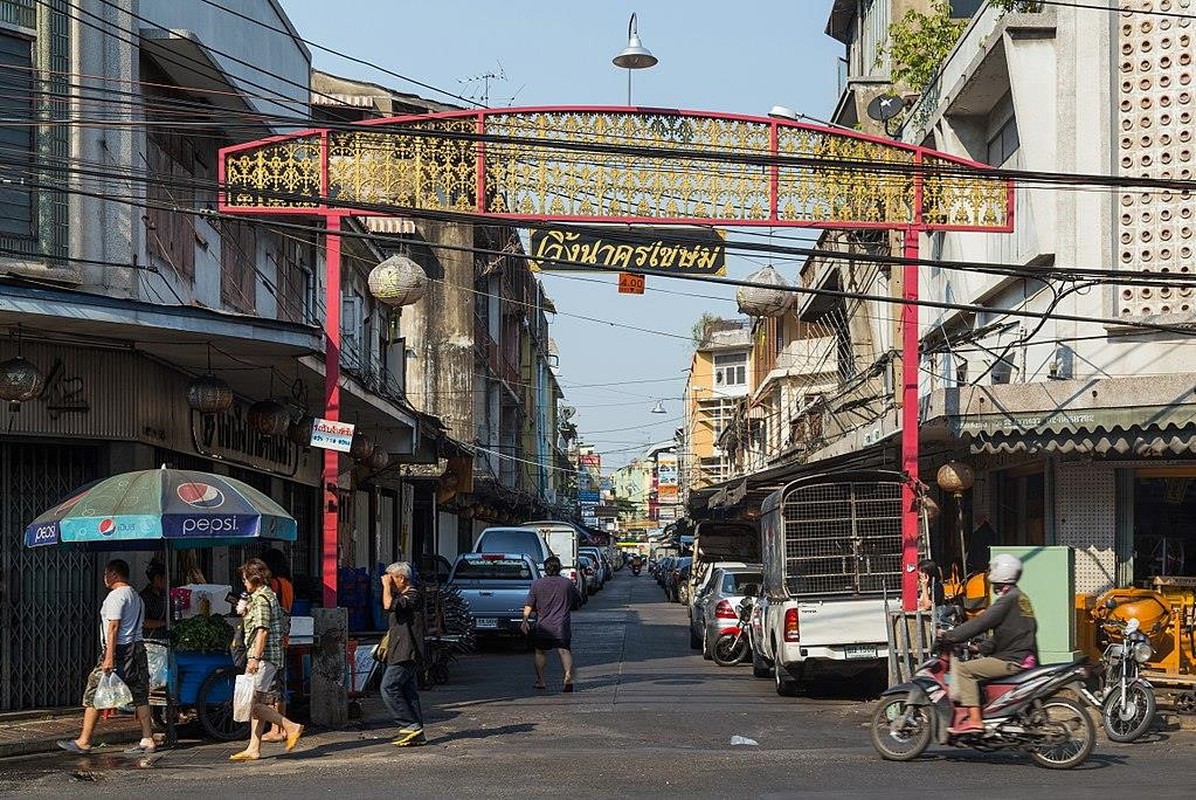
(692, 251)
(332, 435)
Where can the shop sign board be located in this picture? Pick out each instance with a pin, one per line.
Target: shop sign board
(332, 435)
(688, 251)
(228, 436)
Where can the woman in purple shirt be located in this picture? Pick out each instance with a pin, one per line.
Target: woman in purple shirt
(551, 598)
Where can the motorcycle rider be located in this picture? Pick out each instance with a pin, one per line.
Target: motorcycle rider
(1011, 648)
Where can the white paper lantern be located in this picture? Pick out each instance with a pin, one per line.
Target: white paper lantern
(758, 301)
(398, 281)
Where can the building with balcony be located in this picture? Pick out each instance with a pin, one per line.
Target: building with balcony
(720, 376)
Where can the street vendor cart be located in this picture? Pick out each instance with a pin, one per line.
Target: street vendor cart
(171, 510)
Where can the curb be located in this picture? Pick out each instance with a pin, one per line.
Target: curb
(31, 747)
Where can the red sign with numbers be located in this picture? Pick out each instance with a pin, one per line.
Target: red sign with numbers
(631, 284)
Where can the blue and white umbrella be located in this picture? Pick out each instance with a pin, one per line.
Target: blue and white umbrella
(151, 508)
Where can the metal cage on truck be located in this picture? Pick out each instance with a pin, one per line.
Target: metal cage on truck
(834, 534)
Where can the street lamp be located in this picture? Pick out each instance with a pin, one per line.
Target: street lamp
(955, 478)
(635, 55)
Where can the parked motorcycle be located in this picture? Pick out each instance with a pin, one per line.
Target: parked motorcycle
(734, 643)
(1021, 712)
(1125, 698)
(635, 567)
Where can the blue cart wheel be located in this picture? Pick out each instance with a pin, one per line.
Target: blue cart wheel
(214, 707)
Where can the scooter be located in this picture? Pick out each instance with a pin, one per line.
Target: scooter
(635, 567)
(1125, 698)
(1022, 712)
(734, 643)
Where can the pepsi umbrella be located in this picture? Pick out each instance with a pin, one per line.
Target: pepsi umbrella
(157, 507)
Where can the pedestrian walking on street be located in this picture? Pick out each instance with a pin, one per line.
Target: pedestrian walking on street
(263, 644)
(400, 683)
(123, 652)
(284, 589)
(552, 599)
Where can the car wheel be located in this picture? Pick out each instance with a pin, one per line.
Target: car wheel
(706, 653)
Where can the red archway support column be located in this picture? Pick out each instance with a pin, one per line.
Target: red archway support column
(332, 405)
(909, 419)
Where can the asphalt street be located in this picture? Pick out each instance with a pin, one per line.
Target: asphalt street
(649, 718)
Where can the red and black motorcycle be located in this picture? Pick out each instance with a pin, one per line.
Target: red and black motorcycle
(1021, 712)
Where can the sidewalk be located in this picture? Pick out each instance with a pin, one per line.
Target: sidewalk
(25, 733)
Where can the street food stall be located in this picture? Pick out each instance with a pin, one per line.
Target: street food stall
(175, 510)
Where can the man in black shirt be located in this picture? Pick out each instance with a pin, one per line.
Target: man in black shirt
(154, 598)
(1011, 648)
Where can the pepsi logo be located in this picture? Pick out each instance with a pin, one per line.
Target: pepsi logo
(107, 527)
(200, 495)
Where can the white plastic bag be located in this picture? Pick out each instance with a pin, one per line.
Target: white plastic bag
(157, 658)
(243, 698)
(112, 692)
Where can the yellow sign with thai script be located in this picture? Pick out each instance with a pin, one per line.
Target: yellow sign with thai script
(689, 251)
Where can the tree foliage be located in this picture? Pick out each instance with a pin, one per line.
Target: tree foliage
(918, 43)
(1020, 6)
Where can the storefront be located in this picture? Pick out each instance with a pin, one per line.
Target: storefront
(105, 411)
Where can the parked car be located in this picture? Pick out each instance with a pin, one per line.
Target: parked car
(663, 568)
(599, 555)
(717, 609)
(591, 571)
(528, 541)
(700, 586)
(563, 540)
(496, 586)
(673, 579)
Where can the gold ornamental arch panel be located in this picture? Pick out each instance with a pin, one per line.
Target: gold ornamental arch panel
(632, 165)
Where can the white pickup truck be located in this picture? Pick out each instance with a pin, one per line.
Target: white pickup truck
(832, 553)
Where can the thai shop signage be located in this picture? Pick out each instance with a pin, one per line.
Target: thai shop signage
(229, 437)
(331, 435)
(689, 251)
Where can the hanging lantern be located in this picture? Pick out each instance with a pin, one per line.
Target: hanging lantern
(269, 418)
(955, 477)
(398, 281)
(208, 394)
(362, 447)
(378, 459)
(20, 382)
(758, 301)
(299, 431)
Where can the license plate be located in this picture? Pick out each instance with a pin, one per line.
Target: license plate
(486, 622)
(859, 651)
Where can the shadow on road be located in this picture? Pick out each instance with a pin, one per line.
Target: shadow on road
(484, 733)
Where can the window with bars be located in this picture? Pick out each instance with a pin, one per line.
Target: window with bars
(17, 196)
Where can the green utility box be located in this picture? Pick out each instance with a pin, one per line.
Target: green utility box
(1049, 581)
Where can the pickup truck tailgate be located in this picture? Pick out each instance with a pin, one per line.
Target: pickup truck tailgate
(829, 622)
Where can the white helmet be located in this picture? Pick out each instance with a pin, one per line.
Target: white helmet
(1004, 568)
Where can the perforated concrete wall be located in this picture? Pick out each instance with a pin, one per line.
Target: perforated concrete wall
(1085, 497)
(1156, 107)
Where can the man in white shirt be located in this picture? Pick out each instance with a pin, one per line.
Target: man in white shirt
(122, 652)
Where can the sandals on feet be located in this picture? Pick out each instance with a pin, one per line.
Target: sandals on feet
(71, 746)
(243, 756)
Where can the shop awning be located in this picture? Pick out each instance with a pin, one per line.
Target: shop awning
(1111, 416)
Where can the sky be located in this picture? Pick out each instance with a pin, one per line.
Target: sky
(619, 354)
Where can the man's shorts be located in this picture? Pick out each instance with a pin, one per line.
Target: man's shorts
(548, 640)
(132, 667)
(263, 682)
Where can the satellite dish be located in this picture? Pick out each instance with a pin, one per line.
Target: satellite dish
(885, 106)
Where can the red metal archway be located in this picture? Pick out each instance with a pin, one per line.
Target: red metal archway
(592, 164)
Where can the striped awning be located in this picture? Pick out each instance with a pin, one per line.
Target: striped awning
(1145, 442)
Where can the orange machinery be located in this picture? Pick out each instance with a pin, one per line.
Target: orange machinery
(1167, 615)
